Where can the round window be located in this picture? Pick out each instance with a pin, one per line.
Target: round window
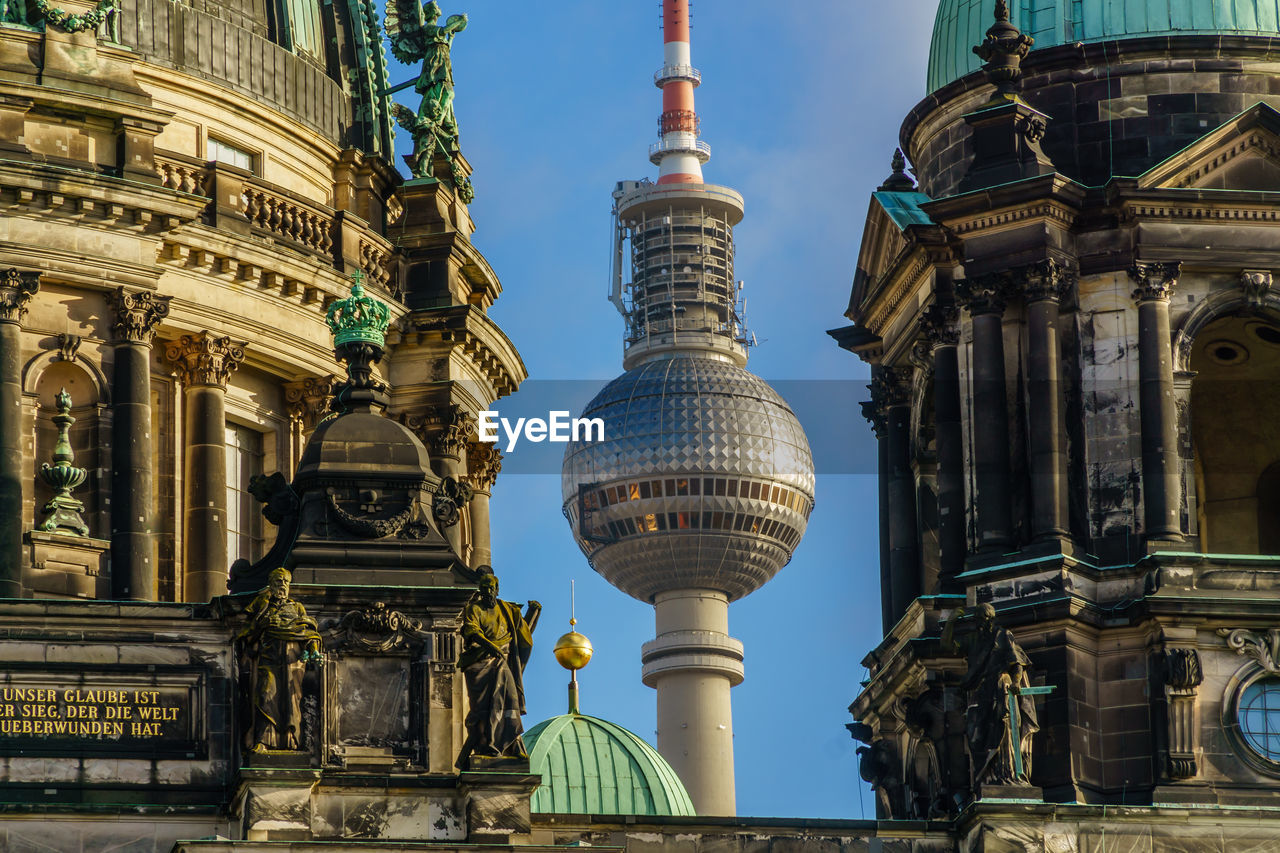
(1259, 716)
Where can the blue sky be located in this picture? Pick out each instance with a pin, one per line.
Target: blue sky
(801, 103)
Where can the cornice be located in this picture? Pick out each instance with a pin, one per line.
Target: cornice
(470, 330)
(906, 273)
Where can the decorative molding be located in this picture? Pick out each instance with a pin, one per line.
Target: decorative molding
(369, 528)
(1046, 280)
(1182, 676)
(1256, 284)
(374, 629)
(1051, 210)
(1155, 280)
(889, 387)
(445, 430)
(16, 289)
(939, 325)
(484, 461)
(307, 400)
(449, 499)
(1262, 647)
(204, 359)
(984, 294)
(137, 314)
(69, 346)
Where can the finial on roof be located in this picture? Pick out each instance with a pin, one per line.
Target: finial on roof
(573, 651)
(899, 181)
(1002, 52)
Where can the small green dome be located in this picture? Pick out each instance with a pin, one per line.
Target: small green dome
(591, 766)
(961, 24)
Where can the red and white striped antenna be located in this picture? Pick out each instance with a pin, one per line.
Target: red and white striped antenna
(679, 153)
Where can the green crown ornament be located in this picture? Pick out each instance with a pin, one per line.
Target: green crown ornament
(358, 318)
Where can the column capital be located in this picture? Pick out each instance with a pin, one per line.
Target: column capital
(137, 314)
(1154, 280)
(984, 294)
(16, 289)
(205, 359)
(484, 461)
(889, 387)
(939, 326)
(307, 400)
(445, 429)
(1046, 280)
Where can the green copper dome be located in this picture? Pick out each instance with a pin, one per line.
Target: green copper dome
(591, 766)
(961, 24)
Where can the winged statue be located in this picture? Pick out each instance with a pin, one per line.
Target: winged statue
(417, 36)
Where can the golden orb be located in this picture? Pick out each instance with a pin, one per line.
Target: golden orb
(573, 651)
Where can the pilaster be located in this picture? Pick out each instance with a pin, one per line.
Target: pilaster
(204, 363)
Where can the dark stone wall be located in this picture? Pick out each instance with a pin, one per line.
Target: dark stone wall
(1116, 108)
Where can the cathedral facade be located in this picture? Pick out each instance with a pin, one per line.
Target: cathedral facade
(1070, 320)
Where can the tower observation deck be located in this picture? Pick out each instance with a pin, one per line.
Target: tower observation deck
(702, 487)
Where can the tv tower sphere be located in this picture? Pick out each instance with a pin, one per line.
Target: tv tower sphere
(703, 483)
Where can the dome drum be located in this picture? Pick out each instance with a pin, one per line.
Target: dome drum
(1123, 89)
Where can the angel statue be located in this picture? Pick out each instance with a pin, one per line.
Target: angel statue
(415, 36)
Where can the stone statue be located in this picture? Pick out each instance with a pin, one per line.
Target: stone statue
(497, 640)
(278, 644)
(1000, 718)
(415, 36)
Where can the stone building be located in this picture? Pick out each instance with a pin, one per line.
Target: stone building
(1073, 331)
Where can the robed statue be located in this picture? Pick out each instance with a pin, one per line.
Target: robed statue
(277, 645)
(416, 36)
(497, 639)
(1000, 718)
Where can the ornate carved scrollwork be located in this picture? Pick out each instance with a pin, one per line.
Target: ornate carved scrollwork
(450, 497)
(205, 359)
(1256, 284)
(365, 527)
(137, 314)
(484, 461)
(938, 325)
(374, 629)
(1182, 676)
(1047, 279)
(984, 294)
(308, 399)
(1155, 280)
(16, 290)
(1262, 647)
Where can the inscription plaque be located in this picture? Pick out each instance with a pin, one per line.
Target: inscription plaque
(100, 712)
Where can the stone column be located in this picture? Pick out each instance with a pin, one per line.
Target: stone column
(876, 418)
(1161, 484)
(133, 512)
(984, 296)
(16, 290)
(1048, 460)
(204, 363)
(892, 391)
(446, 432)
(484, 461)
(943, 335)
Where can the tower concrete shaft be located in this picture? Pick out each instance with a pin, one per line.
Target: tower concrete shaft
(693, 662)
